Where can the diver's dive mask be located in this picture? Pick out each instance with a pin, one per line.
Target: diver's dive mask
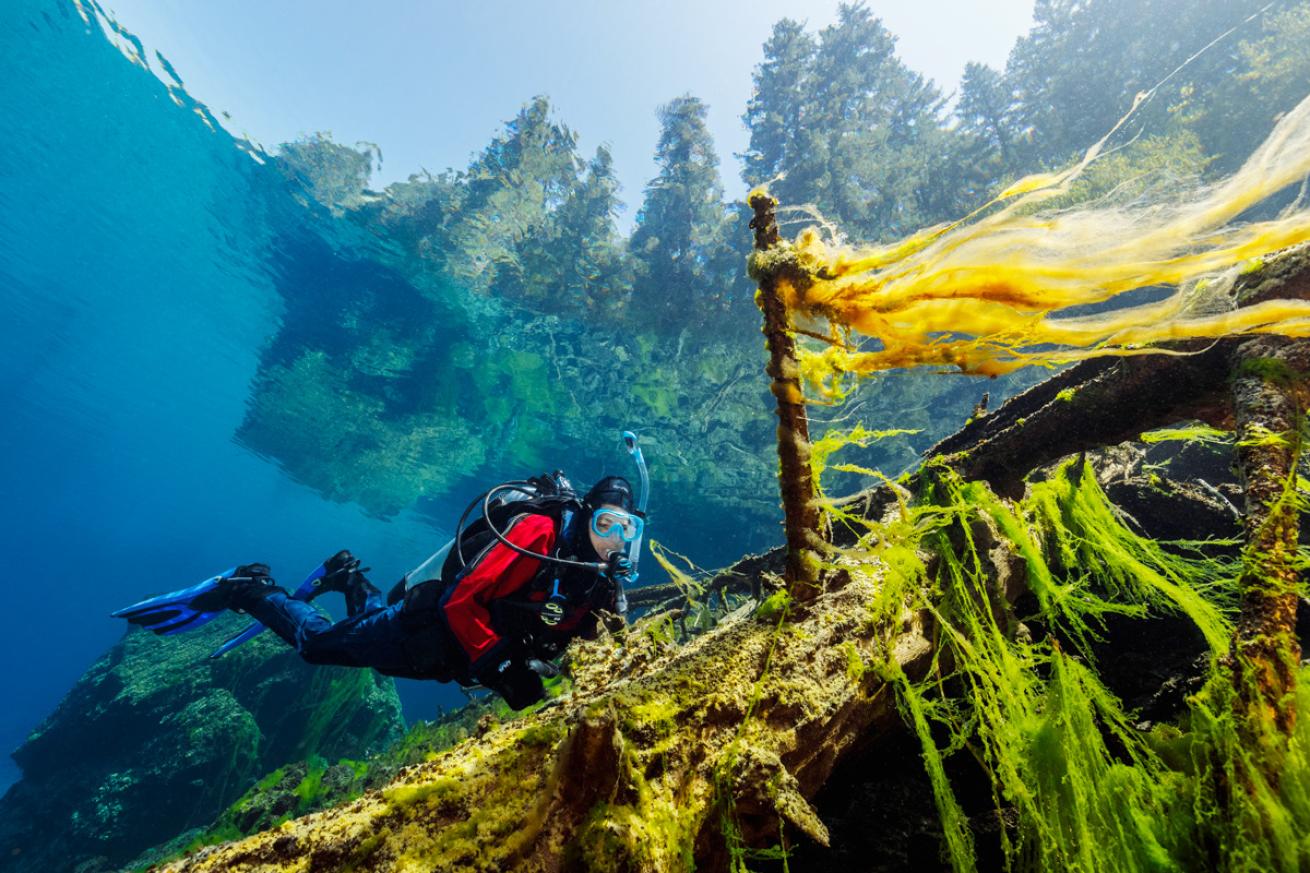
(607, 523)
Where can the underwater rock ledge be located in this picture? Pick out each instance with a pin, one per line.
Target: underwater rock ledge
(155, 739)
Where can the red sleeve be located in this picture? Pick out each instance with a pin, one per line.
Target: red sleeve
(500, 572)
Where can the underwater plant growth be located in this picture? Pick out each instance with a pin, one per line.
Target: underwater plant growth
(1019, 693)
(975, 616)
(994, 291)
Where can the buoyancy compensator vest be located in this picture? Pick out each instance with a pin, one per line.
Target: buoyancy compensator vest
(559, 584)
(549, 494)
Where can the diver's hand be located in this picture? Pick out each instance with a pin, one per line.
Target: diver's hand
(257, 571)
(339, 570)
(543, 668)
(619, 568)
(515, 681)
(341, 562)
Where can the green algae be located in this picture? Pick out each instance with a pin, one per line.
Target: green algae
(405, 796)
(1089, 792)
(1086, 789)
(1038, 721)
(773, 607)
(1131, 573)
(1198, 433)
(955, 825)
(855, 664)
(1271, 370)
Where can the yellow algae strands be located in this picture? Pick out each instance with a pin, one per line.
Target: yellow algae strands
(989, 294)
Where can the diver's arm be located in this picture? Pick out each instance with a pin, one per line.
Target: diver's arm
(499, 573)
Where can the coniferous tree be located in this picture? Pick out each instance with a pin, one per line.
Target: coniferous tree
(1270, 76)
(776, 112)
(1080, 67)
(512, 189)
(573, 262)
(595, 271)
(853, 130)
(988, 146)
(880, 128)
(684, 266)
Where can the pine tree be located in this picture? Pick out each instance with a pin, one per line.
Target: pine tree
(512, 189)
(986, 112)
(1081, 66)
(684, 266)
(776, 112)
(573, 263)
(1271, 74)
(855, 132)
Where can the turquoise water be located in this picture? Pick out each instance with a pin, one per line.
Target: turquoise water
(138, 272)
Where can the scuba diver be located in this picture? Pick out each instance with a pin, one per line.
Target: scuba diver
(512, 589)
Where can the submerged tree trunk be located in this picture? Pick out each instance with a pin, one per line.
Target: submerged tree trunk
(775, 269)
(715, 745)
(1269, 402)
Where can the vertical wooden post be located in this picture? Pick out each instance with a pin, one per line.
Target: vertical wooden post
(1268, 404)
(801, 520)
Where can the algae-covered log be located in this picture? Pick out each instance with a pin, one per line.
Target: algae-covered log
(712, 746)
(1269, 403)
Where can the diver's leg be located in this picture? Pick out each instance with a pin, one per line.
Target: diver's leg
(293, 620)
(372, 638)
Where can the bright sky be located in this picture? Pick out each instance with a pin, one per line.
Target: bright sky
(431, 81)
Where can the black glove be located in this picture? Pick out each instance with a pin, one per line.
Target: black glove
(549, 648)
(513, 680)
(339, 571)
(247, 582)
(342, 560)
(253, 571)
(619, 568)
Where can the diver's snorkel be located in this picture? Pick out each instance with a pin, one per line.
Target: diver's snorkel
(634, 547)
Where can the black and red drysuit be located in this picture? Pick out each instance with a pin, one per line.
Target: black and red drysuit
(482, 623)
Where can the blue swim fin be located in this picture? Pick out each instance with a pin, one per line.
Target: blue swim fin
(306, 591)
(172, 613)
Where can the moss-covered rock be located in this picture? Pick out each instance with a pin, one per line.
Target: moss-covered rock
(156, 739)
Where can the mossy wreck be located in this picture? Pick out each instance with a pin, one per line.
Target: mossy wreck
(977, 606)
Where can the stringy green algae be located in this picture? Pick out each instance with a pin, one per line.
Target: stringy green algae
(1087, 791)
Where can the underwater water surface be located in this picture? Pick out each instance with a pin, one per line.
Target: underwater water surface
(138, 262)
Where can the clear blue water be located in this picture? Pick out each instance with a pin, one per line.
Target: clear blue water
(137, 290)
